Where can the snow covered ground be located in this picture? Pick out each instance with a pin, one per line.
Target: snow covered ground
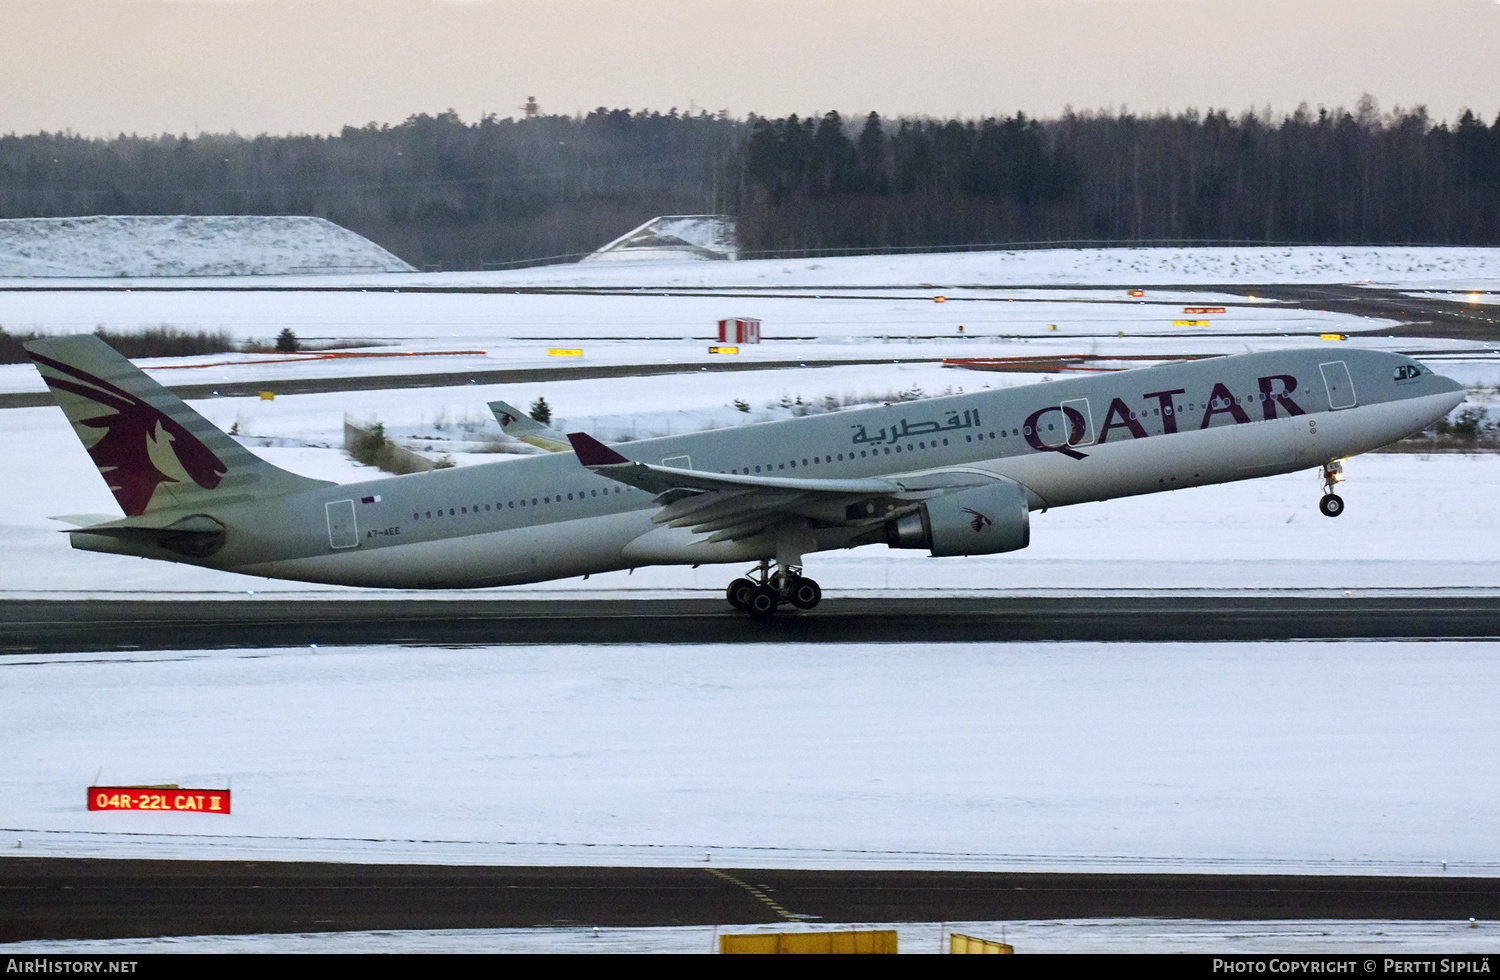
(484, 320)
(1369, 936)
(1310, 757)
(1422, 267)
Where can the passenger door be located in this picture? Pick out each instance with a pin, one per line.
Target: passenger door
(1340, 385)
(342, 530)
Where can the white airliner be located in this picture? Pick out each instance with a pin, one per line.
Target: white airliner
(953, 476)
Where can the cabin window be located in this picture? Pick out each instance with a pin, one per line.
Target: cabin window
(450, 511)
(429, 515)
(898, 449)
(945, 442)
(804, 462)
(464, 510)
(968, 438)
(416, 517)
(794, 464)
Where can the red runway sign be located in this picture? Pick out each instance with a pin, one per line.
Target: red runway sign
(1203, 309)
(155, 798)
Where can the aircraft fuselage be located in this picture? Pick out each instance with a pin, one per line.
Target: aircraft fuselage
(536, 518)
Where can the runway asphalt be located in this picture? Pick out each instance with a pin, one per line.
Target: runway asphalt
(63, 626)
(61, 898)
(84, 898)
(506, 376)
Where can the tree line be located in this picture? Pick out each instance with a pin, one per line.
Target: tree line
(442, 193)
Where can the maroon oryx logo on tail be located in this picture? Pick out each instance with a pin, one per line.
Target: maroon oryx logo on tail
(132, 429)
(980, 522)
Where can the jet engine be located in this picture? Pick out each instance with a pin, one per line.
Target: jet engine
(978, 521)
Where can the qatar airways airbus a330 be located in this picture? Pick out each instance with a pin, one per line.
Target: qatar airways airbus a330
(954, 476)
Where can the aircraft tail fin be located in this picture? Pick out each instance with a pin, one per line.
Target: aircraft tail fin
(519, 425)
(154, 452)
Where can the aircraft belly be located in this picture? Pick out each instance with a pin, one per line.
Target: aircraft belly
(680, 546)
(1128, 467)
(1359, 430)
(512, 557)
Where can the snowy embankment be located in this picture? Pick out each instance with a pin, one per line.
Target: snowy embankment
(185, 245)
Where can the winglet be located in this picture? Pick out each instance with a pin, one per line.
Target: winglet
(592, 452)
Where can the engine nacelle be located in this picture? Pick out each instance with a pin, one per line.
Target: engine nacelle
(978, 521)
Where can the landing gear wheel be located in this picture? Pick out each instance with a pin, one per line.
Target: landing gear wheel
(1332, 505)
(763, 602)
(738, 593)
(805, 593)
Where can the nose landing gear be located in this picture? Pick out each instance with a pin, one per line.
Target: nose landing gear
(1332, 505)
(760, 598)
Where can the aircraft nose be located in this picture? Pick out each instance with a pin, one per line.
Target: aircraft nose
(1448, 385)
(1455, 391)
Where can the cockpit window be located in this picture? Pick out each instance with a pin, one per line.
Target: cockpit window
(1407, 371)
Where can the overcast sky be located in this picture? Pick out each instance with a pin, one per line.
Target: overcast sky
(101, 67)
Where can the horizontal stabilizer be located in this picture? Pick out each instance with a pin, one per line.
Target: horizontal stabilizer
(83, 520)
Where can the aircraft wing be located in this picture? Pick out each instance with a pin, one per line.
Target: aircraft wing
(731, 506)
(519, 425)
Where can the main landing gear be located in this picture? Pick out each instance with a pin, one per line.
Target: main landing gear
(1332, 505)
(760, 598)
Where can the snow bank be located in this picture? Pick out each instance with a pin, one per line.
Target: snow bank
(186, 245)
